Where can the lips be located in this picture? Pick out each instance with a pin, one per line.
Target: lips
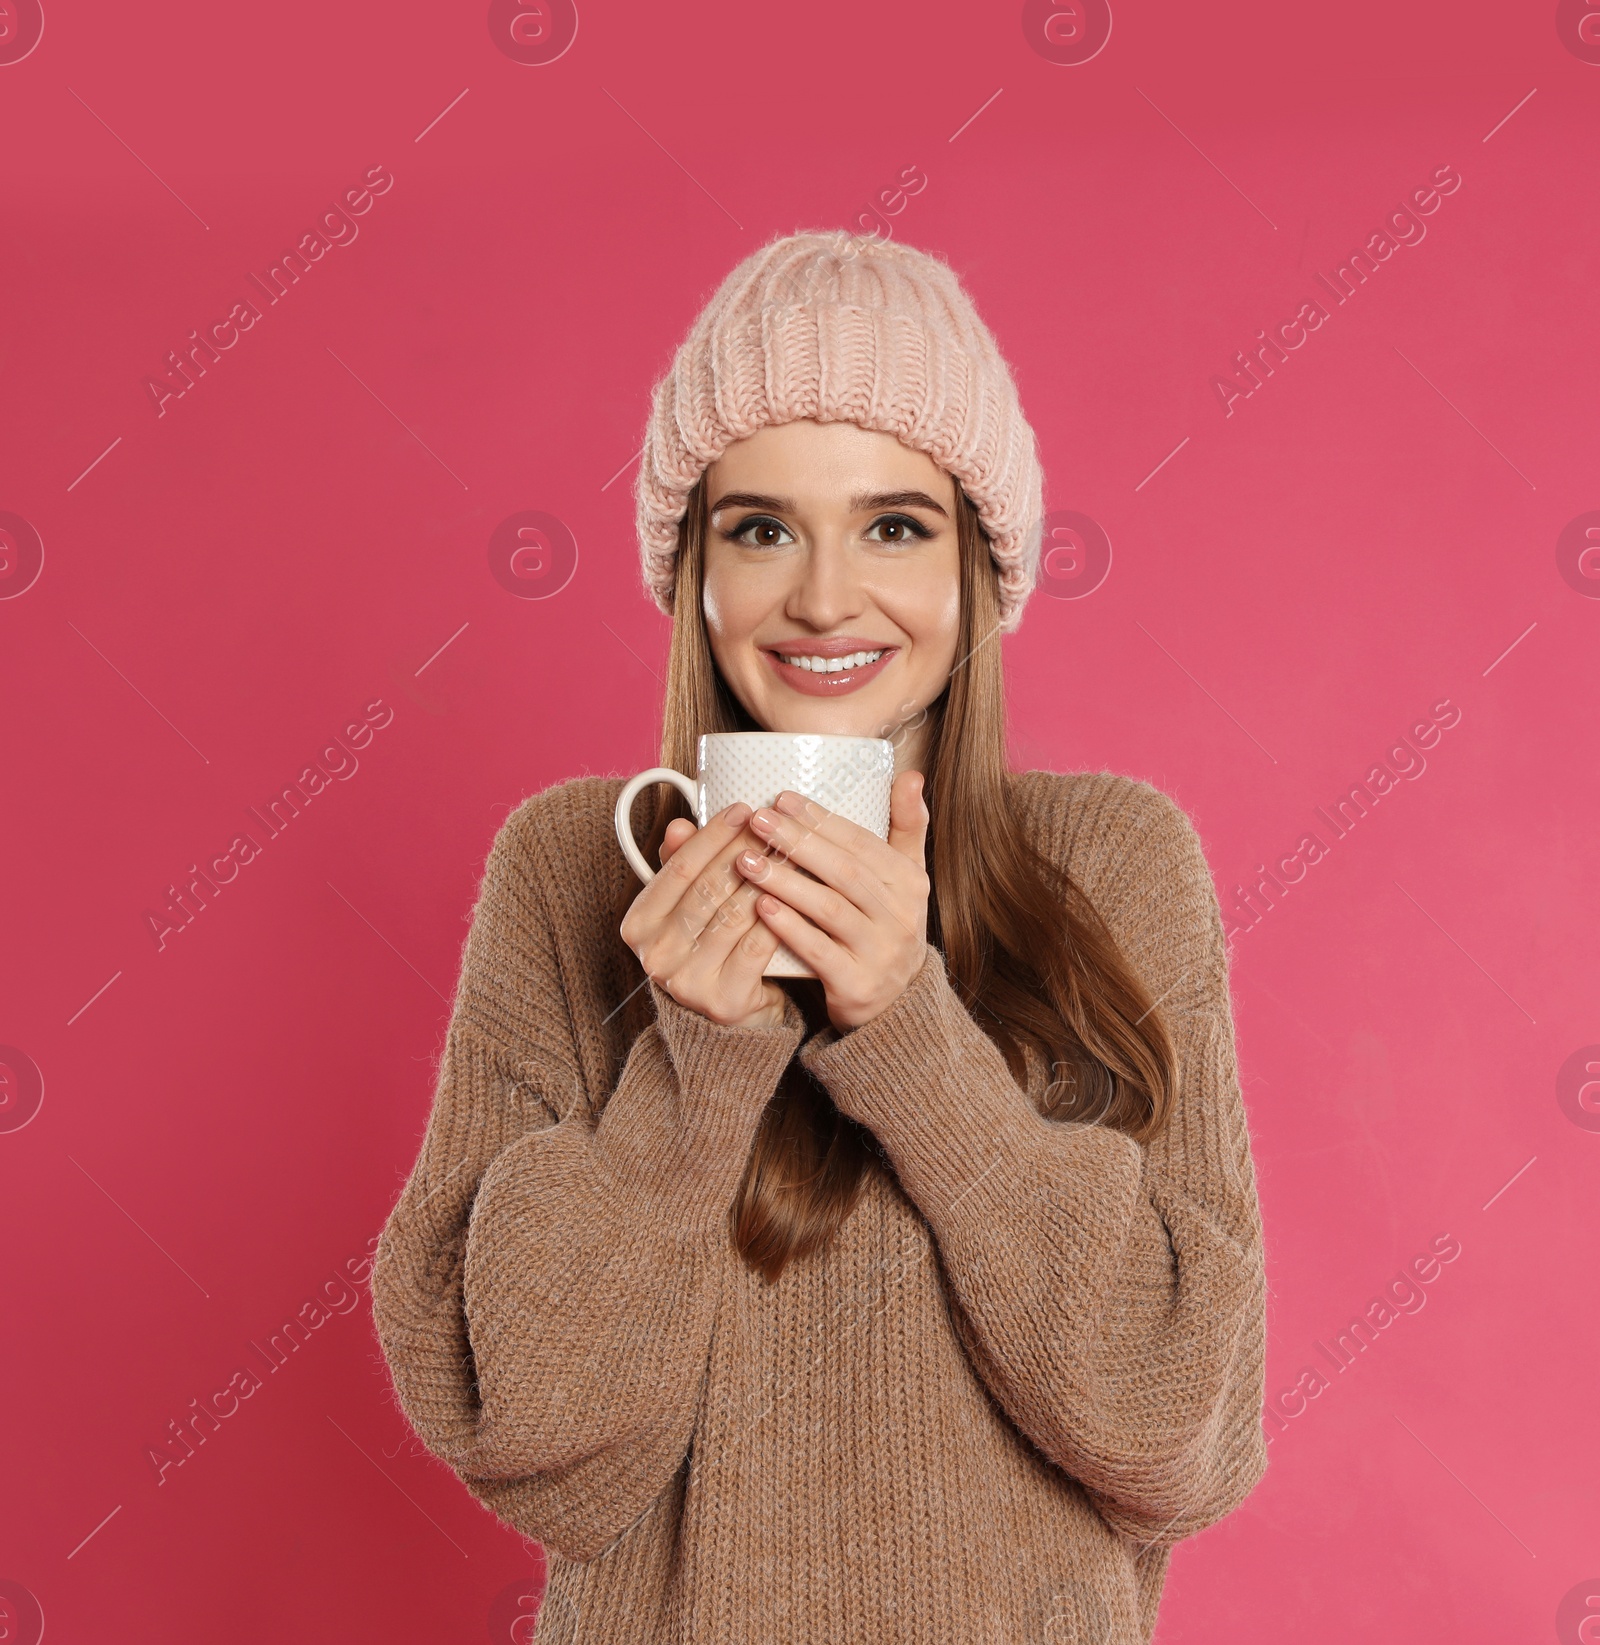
(829, 668)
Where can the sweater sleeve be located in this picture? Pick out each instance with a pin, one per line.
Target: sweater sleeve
(1110, 1295)
(544, 1289)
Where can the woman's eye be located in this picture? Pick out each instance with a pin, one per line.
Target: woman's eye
(903, 529)
(760, 532)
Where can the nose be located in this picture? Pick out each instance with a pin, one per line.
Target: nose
(827, 591)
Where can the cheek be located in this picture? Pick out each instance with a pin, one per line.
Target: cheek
(734, 606)
(931, 615)
(720, 601)
(949, 620)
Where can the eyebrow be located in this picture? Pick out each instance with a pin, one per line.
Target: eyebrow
(859, 504)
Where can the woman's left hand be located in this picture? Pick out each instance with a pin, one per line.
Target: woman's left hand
(863, 928)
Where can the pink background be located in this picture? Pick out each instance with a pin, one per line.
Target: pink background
(1377, 530)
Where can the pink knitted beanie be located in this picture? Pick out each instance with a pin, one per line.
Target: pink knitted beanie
(845, 328)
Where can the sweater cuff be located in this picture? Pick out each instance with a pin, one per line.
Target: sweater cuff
(964, 1138)
(679, 1153)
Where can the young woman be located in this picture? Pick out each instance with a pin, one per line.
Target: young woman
(921, 1302)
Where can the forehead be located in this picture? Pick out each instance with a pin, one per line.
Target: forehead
(819, 464)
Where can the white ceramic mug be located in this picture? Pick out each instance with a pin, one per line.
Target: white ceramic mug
(849, 775)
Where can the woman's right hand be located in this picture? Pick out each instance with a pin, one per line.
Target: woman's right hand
(694, 926)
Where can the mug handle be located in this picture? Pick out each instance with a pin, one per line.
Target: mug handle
(624, 817)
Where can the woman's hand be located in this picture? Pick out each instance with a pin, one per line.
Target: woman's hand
(694, 927)
(863, 928)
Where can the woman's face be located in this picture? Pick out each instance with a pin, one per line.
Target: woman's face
(825, 541)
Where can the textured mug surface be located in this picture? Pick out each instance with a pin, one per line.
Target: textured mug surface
(848, 775)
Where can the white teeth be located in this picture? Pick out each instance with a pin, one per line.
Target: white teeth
(832, 665)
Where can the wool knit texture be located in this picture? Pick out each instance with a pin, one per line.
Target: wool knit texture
(1028, 1364)
(845, 328)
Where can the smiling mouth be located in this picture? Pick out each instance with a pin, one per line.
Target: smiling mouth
(830, 665)
(813, 674)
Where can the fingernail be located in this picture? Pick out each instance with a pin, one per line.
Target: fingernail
(790, 802)
(736, 813)
(763, 822)
(750, 862)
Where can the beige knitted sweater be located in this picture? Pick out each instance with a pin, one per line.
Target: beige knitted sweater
(1030, 1362)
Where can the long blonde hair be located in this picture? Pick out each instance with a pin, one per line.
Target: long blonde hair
(1024, 948)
